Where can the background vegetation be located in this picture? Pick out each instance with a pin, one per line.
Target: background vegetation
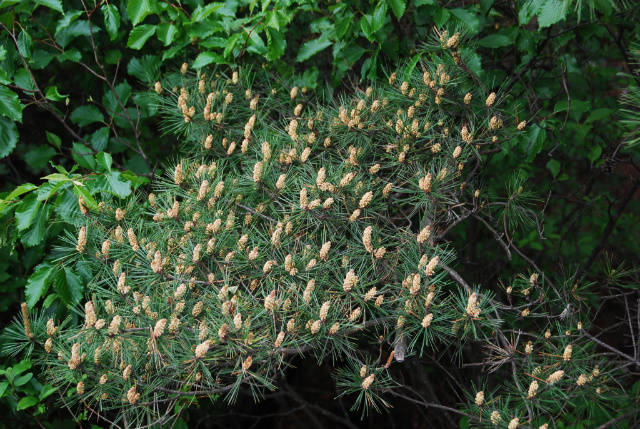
(80, 117)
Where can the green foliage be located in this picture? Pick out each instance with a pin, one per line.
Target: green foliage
(549, 195)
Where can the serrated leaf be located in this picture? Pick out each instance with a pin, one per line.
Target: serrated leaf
(85, 115)
(104, 161)
(468, 19)
(51, 4)
(53, 94)
(365, 26)
(139, 36)
(69, 286)
(67, 19)
(27, 402)
(111, 19)
(552, 11)
(311, 48)
(20, 190)
(166, 33)
(10, 104)
(53, 139)
(67, 208)
(206, 58)
(441, 17)
(100, 138)
(398, 7)
(528, 11)
(8, 136)
(38, 284)
(598, 114)
(379, 16)
(83, 156)
(25, 44)
(495, 41)
(40, 156)
(41, 59)
(138, 10)
(554, 167)
(276, 43)
(118, 186)
(35, 234)
(88, 199)
(26, 211)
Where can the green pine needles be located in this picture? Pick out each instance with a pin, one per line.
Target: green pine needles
(292, 226)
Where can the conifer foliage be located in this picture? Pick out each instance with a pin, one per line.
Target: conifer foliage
(288, 225)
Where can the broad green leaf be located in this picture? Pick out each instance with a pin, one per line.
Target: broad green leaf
(57, 177)
(53, 94)
(411, 67)
(25, 44)
(166, 33)
(100, 138)
(41, 59)
(40, 156)
(594, 153)
(53, 139)
(23, 79)
(3, 388)
(554, 167)
(83, 156)
(139, 36)
(442, 16)
(495, 41)
(85, 115)
(398, 7)
(27, 402)
(532, 145)
(598, 114)
(528, 11)
(21, 381)
(67, 208)
(365, 26)
(145, 68)
(117, 186)
(46, 190)
(69, 286)
(379, 16)
(104, 161)
(342, 25)
(51, 4)
(468, 19)
(21, 367)
(201, 13)
(72, 55)
(26, 211)
(311, 48)
(111, 19)
(576, 107)
(205, 58)
(88, 199)
(20, 190)
(138, 10)
(38, 284)
(10, 104)
(276, 44)
(35, 234)
(69, 17)
(46, 391)
(552, 11)
(114, 100)
(8, 136)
